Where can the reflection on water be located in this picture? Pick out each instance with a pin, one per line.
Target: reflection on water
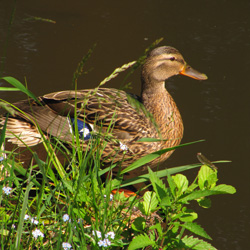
(214, 37)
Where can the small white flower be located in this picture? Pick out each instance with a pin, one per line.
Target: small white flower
(123, 147)
(110, 196)
(26, 217)
(104, 243)
(1, 158)
(110, 234)
(65, 217)
(34, 221)
(7, 190)
(97, 233)
(100, 243)
(13, 226)
(36, 233)
(66, 246)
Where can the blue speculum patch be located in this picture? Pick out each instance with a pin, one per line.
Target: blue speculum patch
(84, 129)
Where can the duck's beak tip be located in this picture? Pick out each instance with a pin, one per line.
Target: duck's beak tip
(190, 72)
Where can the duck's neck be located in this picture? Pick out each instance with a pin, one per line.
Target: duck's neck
(161, 105)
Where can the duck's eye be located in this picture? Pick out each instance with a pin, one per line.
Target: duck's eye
(172, 58)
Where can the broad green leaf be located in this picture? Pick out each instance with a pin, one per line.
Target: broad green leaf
(199, 194)
(166, 201)
(140, 241)
(139, 224)
(226, 189)
(196, 244)
(204, 202)
(196, 229)
(150, 202)
(158, 185)
(181, 183)
(188, 216)
(207, 177)
(158, 227)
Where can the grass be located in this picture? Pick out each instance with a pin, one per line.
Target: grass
(51, 206)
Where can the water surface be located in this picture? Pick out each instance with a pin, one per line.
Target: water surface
(213, 36)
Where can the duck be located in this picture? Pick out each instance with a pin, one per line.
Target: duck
(118, 119)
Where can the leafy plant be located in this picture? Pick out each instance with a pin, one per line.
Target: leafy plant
(48, 206)
(171, 202)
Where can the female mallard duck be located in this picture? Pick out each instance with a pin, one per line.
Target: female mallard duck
(110, 111)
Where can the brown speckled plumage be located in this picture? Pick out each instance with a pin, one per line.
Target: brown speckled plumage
(127, 119)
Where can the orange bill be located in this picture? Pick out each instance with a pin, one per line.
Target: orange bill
(189, 71)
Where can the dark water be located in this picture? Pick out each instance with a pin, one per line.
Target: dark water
(213, 36)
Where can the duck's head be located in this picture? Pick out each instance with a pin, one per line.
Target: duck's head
(164, 62)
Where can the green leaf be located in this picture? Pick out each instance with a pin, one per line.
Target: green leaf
(146, 139)
(199, 194)
(188, 216)
(172, 185)
(150, 202)
(207, 177)
(148, 158)
(158, 227)
(160, 174)
(181, 183)
(8, 89)
(204, 202)
(196, 244)
(140, 241)
(20, 86)
(139, 224)
(226, 189)
(196, 229)
(158, 185)
(166, 201)
(20, 230)
(3, 130)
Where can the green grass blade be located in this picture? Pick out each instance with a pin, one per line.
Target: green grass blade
(14, 82)
(23, 211)
(8, 89)
(160, 174)
(148, 158)
(2, 137)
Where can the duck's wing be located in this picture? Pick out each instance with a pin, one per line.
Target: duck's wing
(102, 110)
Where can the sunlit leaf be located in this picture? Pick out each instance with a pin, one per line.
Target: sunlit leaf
(188, 216)
(139, 224)
(204, 202)
(181, 183)
(196, 244)
(226, 189)
(207, 177)
(20, 86)
(150, 202)
(140, 241)
(196, 229)
(158, 185)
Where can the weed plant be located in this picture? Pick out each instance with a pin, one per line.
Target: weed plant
(51, 206)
